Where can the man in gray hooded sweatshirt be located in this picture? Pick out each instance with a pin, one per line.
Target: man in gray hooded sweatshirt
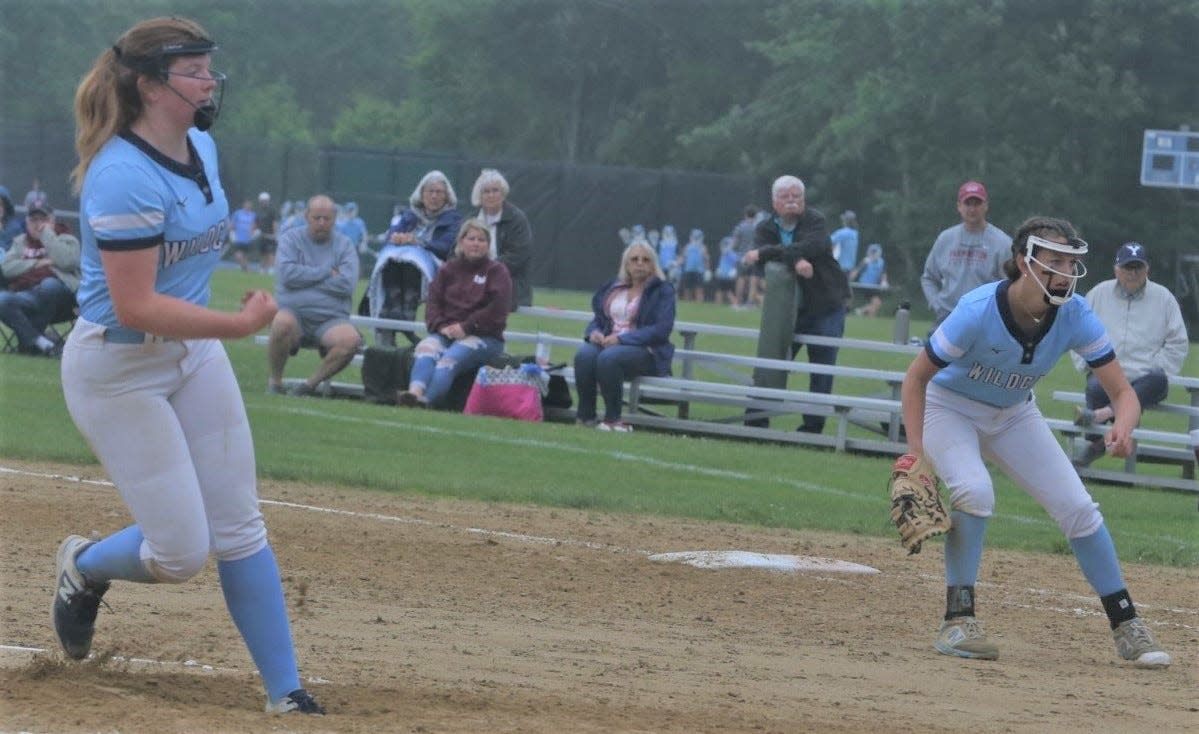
(964, 256)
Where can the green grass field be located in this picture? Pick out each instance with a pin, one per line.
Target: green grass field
(377, 448)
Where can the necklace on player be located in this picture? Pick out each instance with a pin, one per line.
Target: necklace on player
(1036, 320)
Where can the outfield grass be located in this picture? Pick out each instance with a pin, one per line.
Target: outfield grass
(387, 449)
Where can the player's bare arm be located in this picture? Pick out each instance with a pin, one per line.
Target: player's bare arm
(911, 393)
(131, 277)
(1126, 408)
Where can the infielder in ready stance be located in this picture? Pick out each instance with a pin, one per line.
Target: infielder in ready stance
(145, 378)
(968, 396)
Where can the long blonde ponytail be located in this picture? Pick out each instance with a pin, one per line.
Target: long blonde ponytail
(107, 100)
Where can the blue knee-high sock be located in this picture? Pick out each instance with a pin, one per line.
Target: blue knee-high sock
(964, 548)
(1096, 555)
(254, 596)
(116, 557)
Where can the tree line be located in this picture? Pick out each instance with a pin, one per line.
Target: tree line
(882, 106)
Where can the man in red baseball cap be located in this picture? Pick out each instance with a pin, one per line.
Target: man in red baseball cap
(964, 256)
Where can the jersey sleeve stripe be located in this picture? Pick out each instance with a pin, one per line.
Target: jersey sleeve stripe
(932, 356)
(1102, 360)
(136, 243)
(136, 220)
(941, 344)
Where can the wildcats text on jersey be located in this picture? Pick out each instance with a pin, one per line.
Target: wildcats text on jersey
(1001, 378)
(173, 252)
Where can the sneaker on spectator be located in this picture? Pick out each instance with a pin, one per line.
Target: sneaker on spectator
(299, 701)
(1091, 451)
(963, 637)
(407, 399)
(275, 389)
(301, 390)
(614, 426)
(1083, 417)
(586, 422)
(1135, 642)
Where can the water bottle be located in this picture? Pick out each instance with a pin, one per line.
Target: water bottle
(542, 354)
(903, 322)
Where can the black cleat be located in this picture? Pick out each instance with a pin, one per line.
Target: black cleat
(298, 701)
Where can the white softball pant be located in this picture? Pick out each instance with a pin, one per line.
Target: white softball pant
(167, 422)
(960, 432)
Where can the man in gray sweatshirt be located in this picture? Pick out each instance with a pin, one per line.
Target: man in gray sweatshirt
(964, 256)
(316, 270)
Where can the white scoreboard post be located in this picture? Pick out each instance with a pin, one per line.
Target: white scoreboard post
(1170, 159)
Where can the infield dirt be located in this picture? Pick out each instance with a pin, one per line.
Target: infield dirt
(421, 615)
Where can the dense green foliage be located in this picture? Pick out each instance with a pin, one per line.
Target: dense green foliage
(375, 448)
(883, 106)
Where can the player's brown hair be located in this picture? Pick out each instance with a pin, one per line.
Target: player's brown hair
(1041, 227)
(107, 100)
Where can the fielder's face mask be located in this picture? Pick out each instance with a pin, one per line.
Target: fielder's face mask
(1073, 246)
(158, 65)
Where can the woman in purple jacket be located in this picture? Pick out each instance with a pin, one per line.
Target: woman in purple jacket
(629, 335)
(466, 313)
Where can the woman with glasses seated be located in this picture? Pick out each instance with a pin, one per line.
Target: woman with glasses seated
(628, 336)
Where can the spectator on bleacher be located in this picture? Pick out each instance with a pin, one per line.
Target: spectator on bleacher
(968, 405)
(845, 241)
(1144, 322)
(242, 224)
(267, 234)
(871, 271)
(11, 224)
(42, 271)
(431, 220)
(629, 335)
(35, 197)
(413, 250)
(316, 273)
(749, 277)
(964, 256)
(726, 272)
(466, 314)
(511, 235)
(797, 236)
(695, 267)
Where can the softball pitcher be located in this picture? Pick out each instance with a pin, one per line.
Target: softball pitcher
(968, 396)
(145, 378)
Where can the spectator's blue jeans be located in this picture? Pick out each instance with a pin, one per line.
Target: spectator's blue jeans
(609, 368)
(1151, 388)
(440, 359)
(29, 312)
(831, 323)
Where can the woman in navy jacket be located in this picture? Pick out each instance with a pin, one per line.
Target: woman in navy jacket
(629, 335)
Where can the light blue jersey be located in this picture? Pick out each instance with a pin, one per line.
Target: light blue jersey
(727, 269)
(987, 357)
(693, 257)
(134, 198)
(872, 272)
(845, 247)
